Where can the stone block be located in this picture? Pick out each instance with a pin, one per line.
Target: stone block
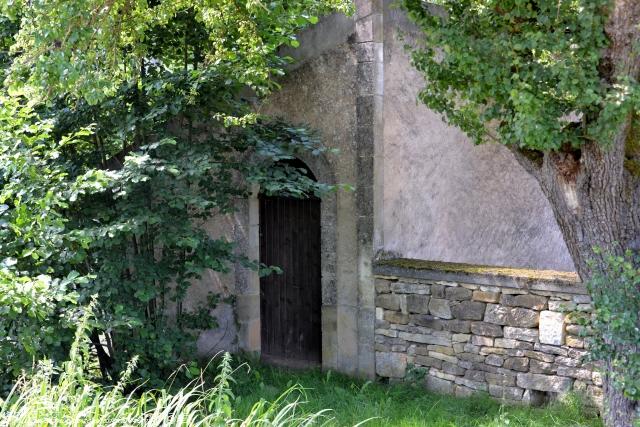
(511, 316)
(494, 360)
(596, 395)
(542, 382)
(538, 367)
(493, 350)
(511, 343)
(441, 349)
(386, 332)
(396, 317)
(520, 364)
(484, 296)
(443, 357)
(522, 334)
(427, 321)
(457, 294)
(379, 313)
(437, 338)
(388, 301)
(504, 379)
(543, 357)
(458, 326)
(411, 288)
(382, 286)
(471, 357)
(486, 329)
(574, 342)
(440, 374)
(458, 347)
(551, 328)
(581, 299)
(580, 374)
(391, 365)
(550, 349)
(460, 338)
(534, 302)
(438, 385)
(482, 341)
(562, 306)
(475, 385)
(440, 308)
(452, 368)
(567, 361)
(465, 364)
(471, 348)
(437, 291)
(428, 361)
(504, 392)
(468, 310)
(474, 375)
(418, 304)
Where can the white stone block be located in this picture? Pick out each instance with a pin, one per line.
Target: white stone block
(551, 328)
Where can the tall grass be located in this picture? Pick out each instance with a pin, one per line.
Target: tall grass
(68, 397)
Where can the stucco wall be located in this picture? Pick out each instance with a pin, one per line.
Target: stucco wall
(447, 200)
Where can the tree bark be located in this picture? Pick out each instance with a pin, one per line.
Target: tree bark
(596, 202)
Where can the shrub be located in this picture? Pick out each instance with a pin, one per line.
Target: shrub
(69, 397)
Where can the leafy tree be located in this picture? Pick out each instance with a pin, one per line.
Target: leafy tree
(136, 124)
(557, 83)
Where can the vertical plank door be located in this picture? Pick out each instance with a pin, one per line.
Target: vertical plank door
(290, 302)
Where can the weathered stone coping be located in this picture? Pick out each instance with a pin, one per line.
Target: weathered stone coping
(520, 278)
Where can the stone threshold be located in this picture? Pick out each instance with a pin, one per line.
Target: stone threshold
(484, 275)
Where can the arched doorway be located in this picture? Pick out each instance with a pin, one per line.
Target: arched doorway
(290, 303)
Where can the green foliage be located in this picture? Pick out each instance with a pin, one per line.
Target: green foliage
(91, 47)
(129, 125)
(615, 323)
(39, 282)
(69, 397)
(352, 401)
(522, 72)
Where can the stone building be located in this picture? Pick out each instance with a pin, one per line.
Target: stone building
(399, 291)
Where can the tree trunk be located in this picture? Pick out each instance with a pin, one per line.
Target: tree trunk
(596, 202)
(595, 190)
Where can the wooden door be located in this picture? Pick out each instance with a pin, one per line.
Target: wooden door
(290, 302)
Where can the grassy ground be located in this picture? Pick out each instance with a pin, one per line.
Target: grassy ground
(353, 401)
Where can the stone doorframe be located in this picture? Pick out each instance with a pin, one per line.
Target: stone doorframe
(248, 282)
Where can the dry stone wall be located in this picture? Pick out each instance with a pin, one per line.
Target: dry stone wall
(465, 329)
